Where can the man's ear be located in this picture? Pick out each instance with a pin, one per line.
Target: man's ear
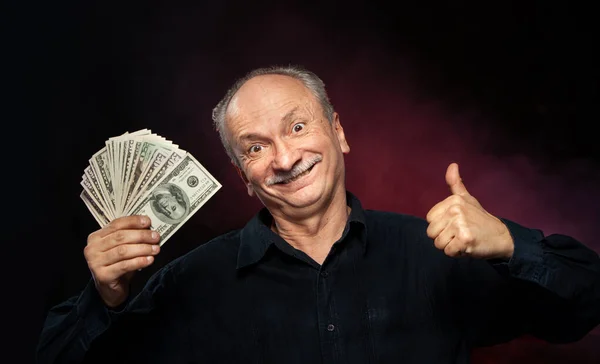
(244, 178)
(339, 131)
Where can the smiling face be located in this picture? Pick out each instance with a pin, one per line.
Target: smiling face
(290, 155)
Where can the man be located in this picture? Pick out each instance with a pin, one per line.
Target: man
(314, 277)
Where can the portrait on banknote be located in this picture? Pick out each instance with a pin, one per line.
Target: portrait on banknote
(170, 203)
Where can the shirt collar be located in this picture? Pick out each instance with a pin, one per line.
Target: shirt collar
(256, 237)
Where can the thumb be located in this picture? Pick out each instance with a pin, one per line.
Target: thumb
(454, 181)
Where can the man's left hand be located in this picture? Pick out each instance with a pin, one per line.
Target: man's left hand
(460, 226)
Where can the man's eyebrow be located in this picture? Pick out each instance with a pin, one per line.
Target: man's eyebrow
(289, 116)
(249, 136)
(285, 119)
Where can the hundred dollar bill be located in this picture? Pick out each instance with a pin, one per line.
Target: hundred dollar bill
(118, 179)
(112, 161)
(132, 146)
(154, 174)
(177, 196)
(130, 179)
(88, 187)
(89, 173)
(158, 158)
(98, 214)
(101, 165)
(128, 146)
(149, 145)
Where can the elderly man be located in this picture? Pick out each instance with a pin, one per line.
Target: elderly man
(314, 277)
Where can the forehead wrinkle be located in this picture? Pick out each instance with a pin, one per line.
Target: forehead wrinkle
(298, 110)
(261, 96)
(285, 109)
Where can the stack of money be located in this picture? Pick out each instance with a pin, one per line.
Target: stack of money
(142, 173)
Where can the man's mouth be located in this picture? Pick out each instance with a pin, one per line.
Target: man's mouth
(297, 177)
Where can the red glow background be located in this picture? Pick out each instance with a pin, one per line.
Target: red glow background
(507, 90)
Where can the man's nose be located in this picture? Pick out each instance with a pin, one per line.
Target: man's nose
(285, 157)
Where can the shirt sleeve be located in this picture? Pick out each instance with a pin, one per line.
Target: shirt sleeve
(550, 289)
(72, 327)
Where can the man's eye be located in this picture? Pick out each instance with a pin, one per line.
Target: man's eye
(298, 127)
(255, 149)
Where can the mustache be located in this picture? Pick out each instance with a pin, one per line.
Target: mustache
(297, 170)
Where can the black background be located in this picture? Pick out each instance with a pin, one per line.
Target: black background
(508, 89)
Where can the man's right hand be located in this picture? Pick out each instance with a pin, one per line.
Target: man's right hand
(116, 251)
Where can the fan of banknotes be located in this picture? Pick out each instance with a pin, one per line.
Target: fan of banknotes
(142, 173)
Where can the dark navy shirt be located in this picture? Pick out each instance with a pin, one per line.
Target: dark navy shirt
(384, 294)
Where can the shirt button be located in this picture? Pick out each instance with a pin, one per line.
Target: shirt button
(330, 327)
(325, 274)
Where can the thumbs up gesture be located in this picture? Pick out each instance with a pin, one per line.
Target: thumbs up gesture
(460, 226)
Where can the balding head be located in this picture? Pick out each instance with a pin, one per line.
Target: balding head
(255, 84)
(268, 92)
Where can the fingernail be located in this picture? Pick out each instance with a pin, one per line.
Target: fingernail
(143, 220)
(150, 259)
(155, 248)
(154, 235)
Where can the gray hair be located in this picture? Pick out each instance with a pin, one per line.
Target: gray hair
(310, 80)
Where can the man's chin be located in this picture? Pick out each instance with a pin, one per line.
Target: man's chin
(300, 202)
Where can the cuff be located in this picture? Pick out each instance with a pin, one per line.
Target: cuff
(527, 260)
(92, 310)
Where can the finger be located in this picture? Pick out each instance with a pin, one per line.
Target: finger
(445, 236)
(437, 226)
(125, 222)
(441, 207)
(123, 267)
(438, 210)
(453, 249)
(126, 252)
(125, 237)
(454, 181)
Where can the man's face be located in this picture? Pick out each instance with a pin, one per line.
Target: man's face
(170, 206)
(277, 129)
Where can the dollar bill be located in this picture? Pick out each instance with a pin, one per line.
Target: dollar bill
(131, 146)
(98, 214)
(142, 173)
(154, 152)
(158, 158)
(162, 170)
(177, 196)
(93, 193)
(100, 163)
(127, 147)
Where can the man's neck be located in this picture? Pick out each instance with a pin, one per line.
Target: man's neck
(315, 234)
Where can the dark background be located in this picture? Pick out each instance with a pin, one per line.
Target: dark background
(507, 89)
